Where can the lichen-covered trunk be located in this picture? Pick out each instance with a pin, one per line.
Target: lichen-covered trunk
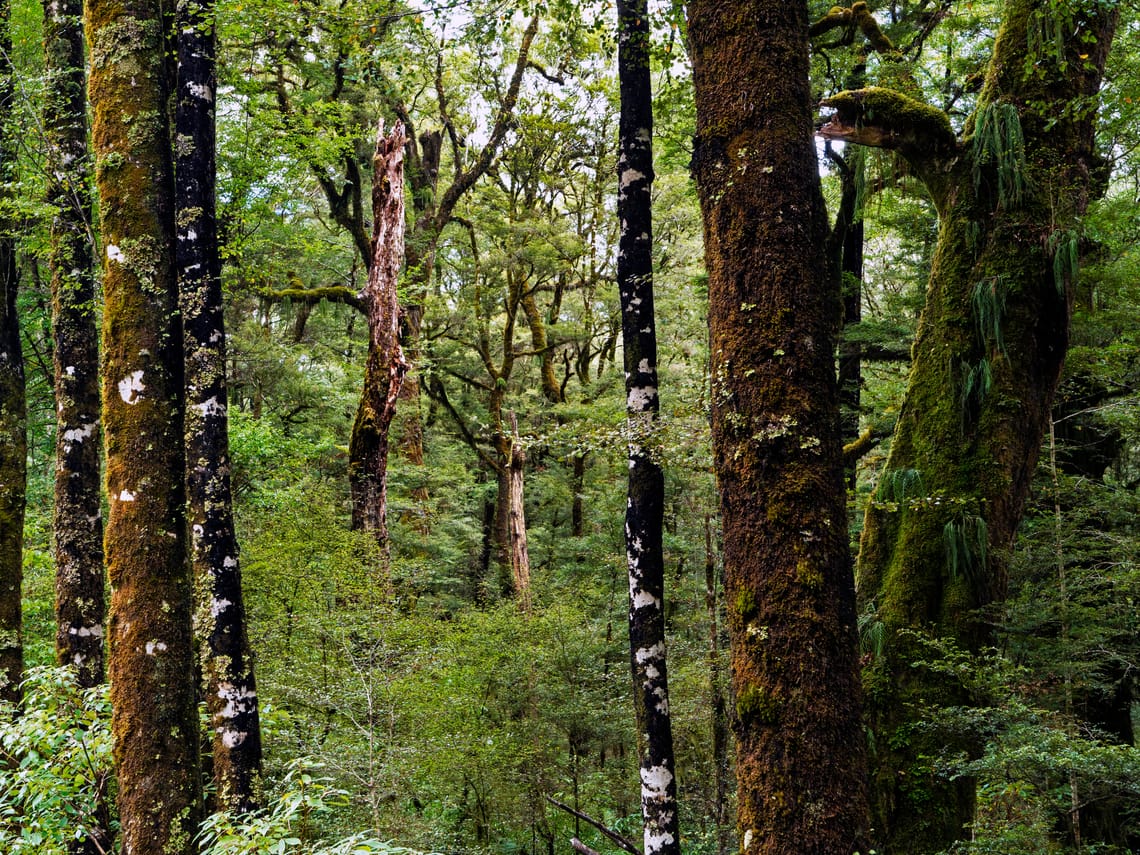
(13, 404)
(80, 606)
(645, 503)
(151, 663)
(774, 307)
(385, 368)
(226, 660)
(986, 362)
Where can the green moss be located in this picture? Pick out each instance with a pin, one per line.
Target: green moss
(809, 575)
(754, 704)
(746, 604)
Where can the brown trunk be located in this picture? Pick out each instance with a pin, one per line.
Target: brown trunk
(385, 368)
(516, 516)
(773, 309)
(151, 666)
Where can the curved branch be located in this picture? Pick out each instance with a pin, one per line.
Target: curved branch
(313, 296)
(858, 17)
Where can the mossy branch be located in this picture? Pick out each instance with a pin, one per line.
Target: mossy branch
(313, 296)
(857, 18)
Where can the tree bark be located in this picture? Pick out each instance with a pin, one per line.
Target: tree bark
(80, 605)
(13, 404)
(773, 311)
(645, 505)
(226, 660)
(154, 717)
(384, 371)
(987, 358)
(516, 516)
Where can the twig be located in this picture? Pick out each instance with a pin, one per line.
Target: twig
(621, 841)
(582, 847)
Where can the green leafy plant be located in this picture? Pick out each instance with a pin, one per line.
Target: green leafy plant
(1000, 143)
(988, 302)
(965, 539)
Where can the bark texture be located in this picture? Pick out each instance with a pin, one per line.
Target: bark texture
(80, 604)
(154, 718)
(645, 505)
(516, 520)
(987, 357)
(13, 406)
(774, 307)
(226, 660)
(386, 366)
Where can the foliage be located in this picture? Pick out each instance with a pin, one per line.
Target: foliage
(56, 782)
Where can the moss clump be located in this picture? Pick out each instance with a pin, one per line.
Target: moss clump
(745, 604)
(755, 705)
(809, 575)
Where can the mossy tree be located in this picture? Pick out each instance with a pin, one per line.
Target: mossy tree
(226, 660)
(151, 663)
(774, 308)
(1010, 194)
(78, 525)
(645, 505)
(13, 406)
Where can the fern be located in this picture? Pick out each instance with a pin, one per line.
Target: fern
(1062, 245)
(988, 302)
(897, 485)
(872, 632)
(999, 142)
(977, 380)
(965, 538)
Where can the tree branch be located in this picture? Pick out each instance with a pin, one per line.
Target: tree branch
(622, 841)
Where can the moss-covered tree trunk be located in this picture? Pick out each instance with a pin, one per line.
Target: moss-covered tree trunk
(226, 660)
(774, 308)
(986, 361)
(151, 663)
(645, 504)
(13, 405)
(80, 606)
(385, 368)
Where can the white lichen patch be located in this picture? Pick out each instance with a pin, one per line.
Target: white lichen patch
(628, 176)
(86, 631)
(641, 600)
(229, 562)
(126, 496)
(644, 366)
(219, 605)
(748, 835)
(200, 91)
(80, 433)
(131, 387)
(212, 407)
(655, 840)
(153, 647)
(115, 254)
(69, 371)
(641, 397)
(238, 700)
(232, 738)
(645, 654)
(655, 780)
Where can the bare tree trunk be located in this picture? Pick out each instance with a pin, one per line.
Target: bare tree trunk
(151, 664)
(13, 405)
(645, 508)
(385, 368)
(773, 312)
(516, 516)
(226, 660)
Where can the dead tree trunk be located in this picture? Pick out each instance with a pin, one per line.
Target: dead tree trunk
(385, 368)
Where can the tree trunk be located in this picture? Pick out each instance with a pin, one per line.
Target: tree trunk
(773, 311)
(384, 371)
(645, 506)
(226, 660)
(716, 696)
(151, 666)
(80, 606)
(13, 404)
(516, 516)
(987, 358)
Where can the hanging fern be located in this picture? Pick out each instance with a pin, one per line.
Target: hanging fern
(965, 538)
(897, 485)
(999, 143)
(976, 382)
(1062, 245)
(988, 301)
(872, 632)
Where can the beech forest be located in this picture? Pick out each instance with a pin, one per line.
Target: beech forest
(569, 427)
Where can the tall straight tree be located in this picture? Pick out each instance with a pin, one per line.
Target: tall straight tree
(987, 357)
(645, 507)
(80, 605)
(154, 717)
(227, 665)
(773, 311)
(13, 405)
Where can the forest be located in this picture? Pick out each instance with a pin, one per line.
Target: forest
(535, 427)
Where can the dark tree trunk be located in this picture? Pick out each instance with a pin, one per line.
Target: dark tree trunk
(773, 309)
(226, 660)
(80, 606)
(645, 507)
(151, 663)
(989, 350)
(384, 371)
(13, 404)
(716, 696)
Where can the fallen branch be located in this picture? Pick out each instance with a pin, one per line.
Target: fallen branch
(620, 840)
